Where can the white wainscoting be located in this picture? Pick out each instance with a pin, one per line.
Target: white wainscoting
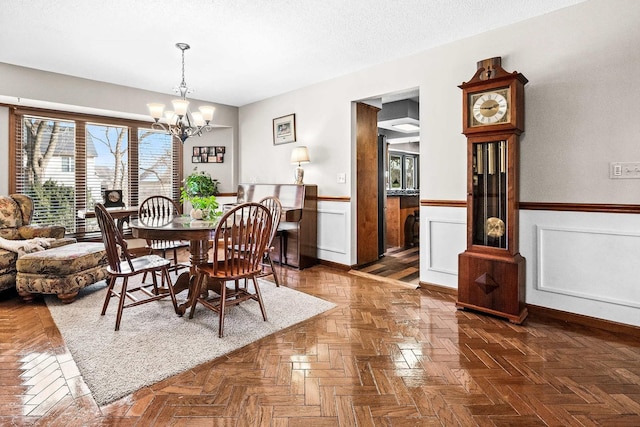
(583, 263)
(443, 236)
(334, 234)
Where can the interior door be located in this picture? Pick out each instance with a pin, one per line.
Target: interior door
(367, 179)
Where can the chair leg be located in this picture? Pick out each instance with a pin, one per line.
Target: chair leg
(123, 294)
(223, 300)
(165, 275)
(155, 282)
(111, 281)
(175, 261)
(259, 295)
(273, 270)
(195, 292)
(144, 276)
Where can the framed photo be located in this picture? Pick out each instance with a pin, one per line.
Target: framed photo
(284, 129)
(208, 154)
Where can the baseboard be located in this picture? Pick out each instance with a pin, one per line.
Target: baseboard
(438, 288)
(335, 265)
(542, 313)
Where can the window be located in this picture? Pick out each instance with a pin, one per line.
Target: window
(66, 161)
(402, 173)
(155, 166)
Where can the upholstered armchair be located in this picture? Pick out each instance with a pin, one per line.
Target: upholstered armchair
(16, 212)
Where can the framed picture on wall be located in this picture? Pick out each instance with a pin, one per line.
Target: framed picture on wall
(213, 154)
(284, 129)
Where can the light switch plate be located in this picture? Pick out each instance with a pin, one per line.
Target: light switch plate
(624, 170)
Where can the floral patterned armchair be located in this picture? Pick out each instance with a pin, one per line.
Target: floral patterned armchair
(16, 212)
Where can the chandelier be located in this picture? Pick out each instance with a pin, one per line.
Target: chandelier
(180, 122)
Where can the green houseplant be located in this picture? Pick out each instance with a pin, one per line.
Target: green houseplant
(200, 190)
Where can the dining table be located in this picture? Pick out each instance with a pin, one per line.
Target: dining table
(199, 233)
(120, 214)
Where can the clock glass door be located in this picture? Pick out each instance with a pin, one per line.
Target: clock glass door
(490, 194)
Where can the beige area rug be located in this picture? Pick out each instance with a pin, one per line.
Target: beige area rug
(154, 343)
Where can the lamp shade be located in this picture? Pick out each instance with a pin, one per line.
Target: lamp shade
(156, 110)
(300, 155)
(180, 106)
(207, 113)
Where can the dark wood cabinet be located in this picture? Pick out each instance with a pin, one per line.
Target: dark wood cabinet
(297, 242)
(398, 210)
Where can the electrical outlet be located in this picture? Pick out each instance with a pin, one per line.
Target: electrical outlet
(342, 178)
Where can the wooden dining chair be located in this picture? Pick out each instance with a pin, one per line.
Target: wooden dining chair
(275, 208)
(162, 209)
(123, 266)
(245, 231)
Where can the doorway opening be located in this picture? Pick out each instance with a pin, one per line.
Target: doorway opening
(398, 207)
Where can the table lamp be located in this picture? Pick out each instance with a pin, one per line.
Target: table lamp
(299, 155)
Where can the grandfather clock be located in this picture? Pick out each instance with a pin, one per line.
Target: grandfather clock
(491, 276)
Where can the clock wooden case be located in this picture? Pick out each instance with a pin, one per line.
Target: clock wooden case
(491, 276)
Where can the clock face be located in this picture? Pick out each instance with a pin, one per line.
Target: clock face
(489, 108)
(114, 196)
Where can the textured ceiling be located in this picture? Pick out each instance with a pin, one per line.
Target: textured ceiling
(241, 50)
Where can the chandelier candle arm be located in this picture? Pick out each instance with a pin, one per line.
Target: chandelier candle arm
(180, 122)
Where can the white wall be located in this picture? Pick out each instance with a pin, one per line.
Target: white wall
(581, 114)
(580, 63)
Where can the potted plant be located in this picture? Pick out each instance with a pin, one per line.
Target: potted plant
(200, 190)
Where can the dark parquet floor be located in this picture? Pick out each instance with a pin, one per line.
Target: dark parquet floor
(387, 355)
(398, 263)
